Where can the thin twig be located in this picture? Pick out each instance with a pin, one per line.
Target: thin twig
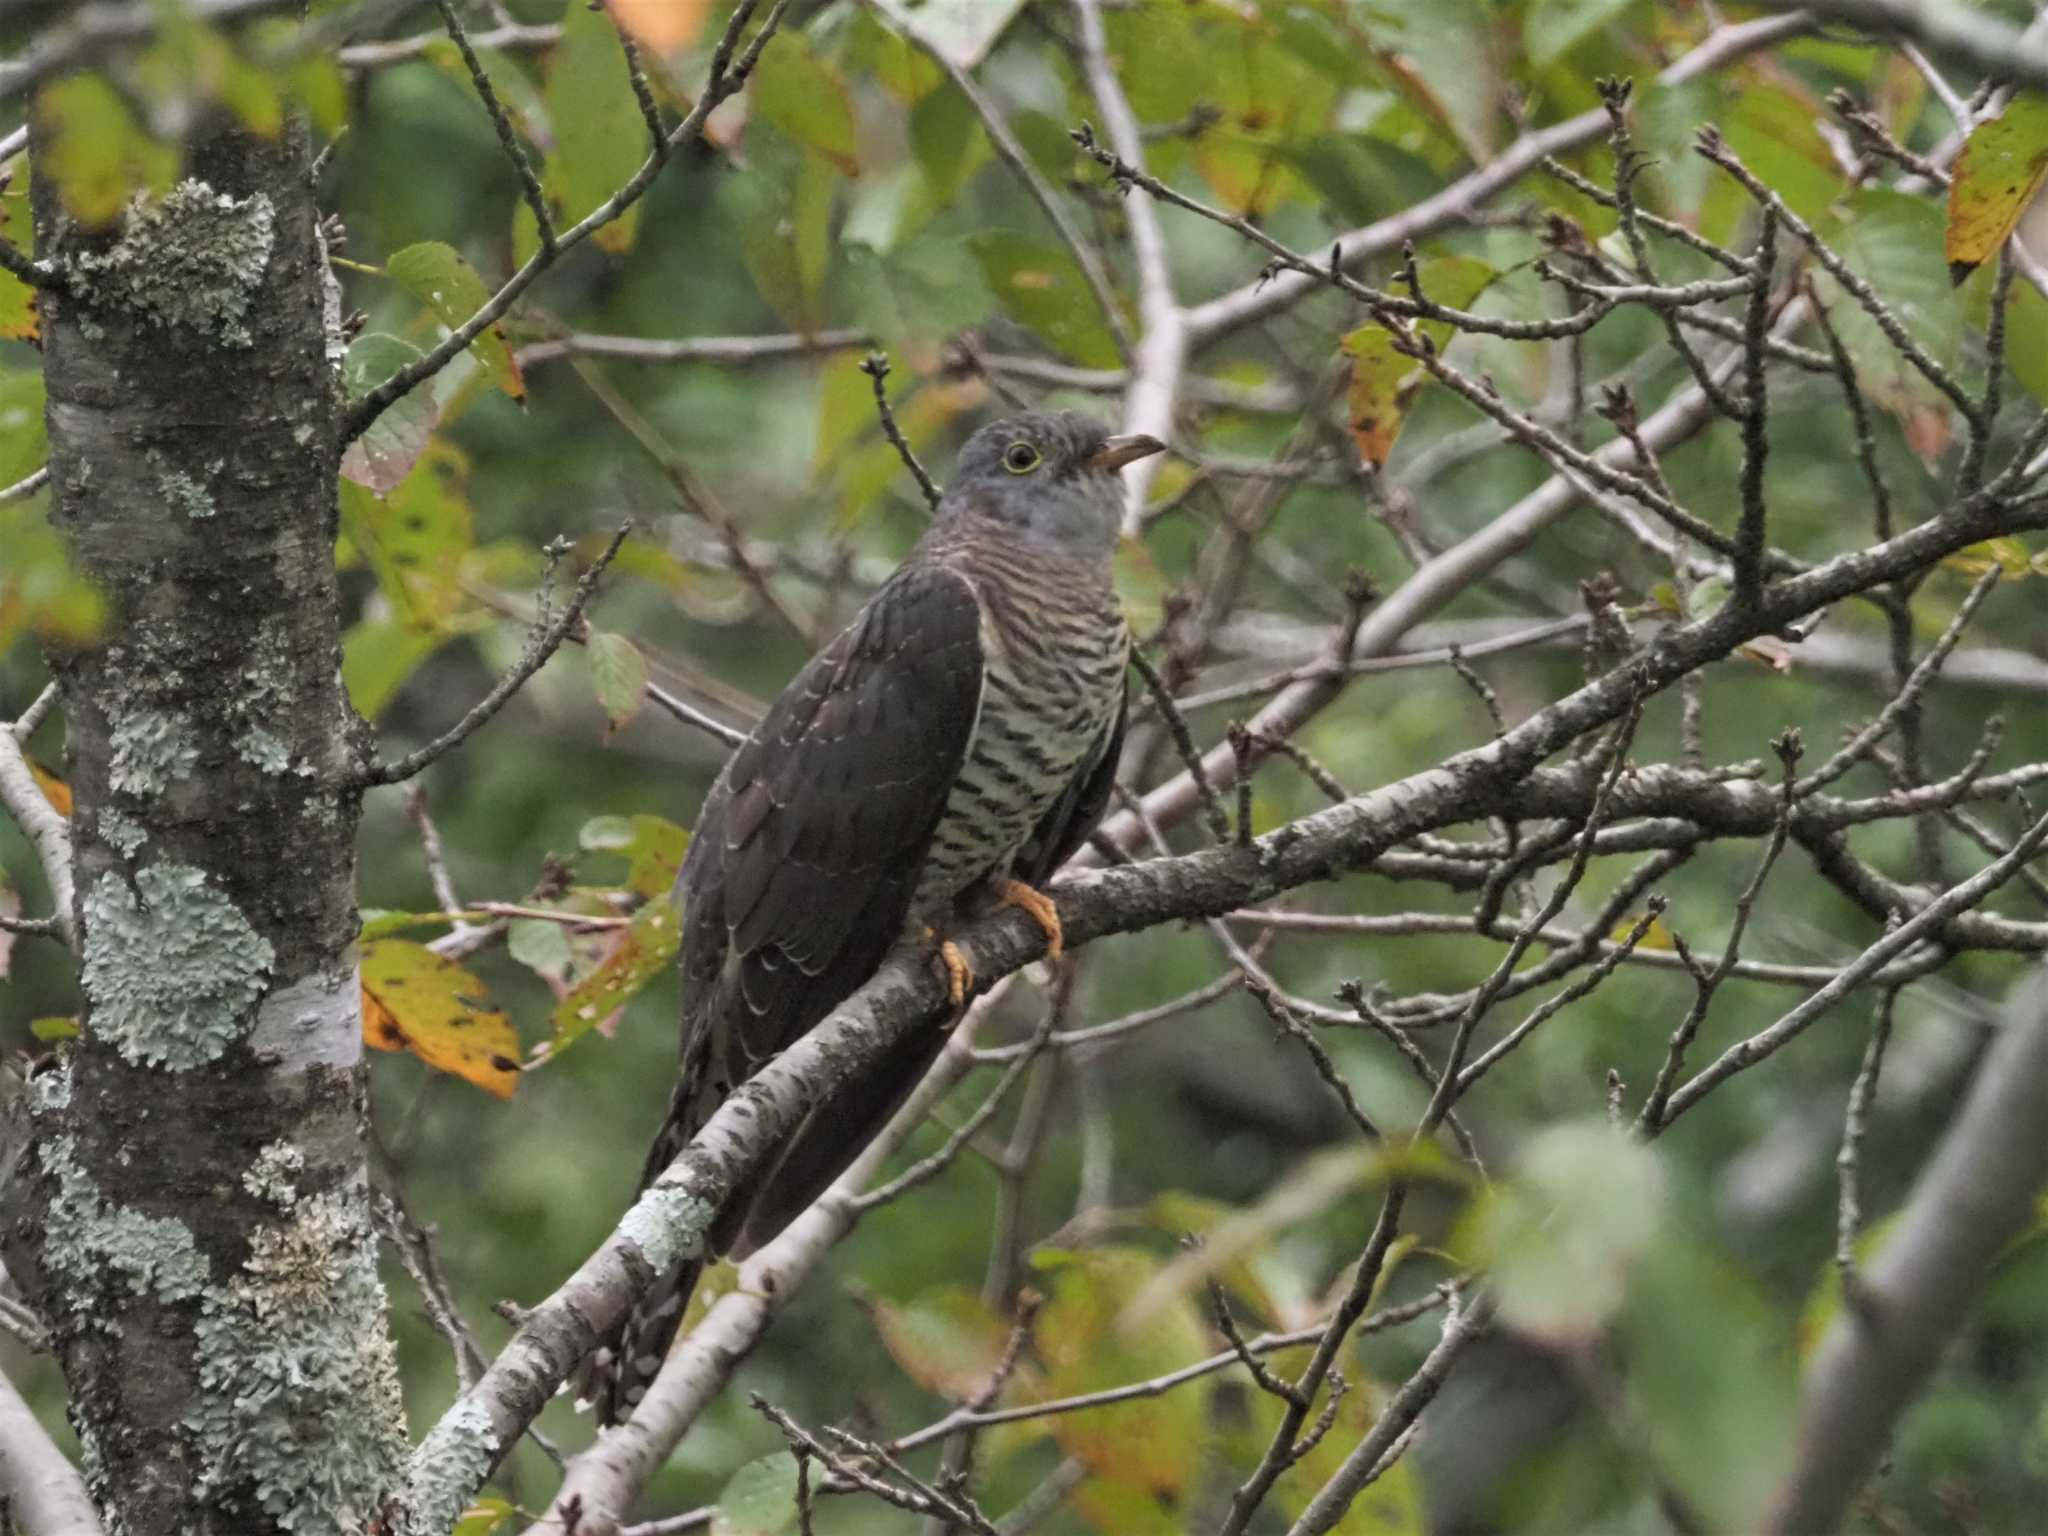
(876, 366)
(545, 640)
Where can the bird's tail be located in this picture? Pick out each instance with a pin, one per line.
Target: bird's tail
(614, 1377)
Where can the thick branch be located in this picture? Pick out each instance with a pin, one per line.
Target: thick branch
(1976, 1196)
(39, 1489)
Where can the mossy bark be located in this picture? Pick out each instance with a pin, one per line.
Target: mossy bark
(191, 1210)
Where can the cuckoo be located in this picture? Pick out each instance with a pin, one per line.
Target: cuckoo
(950, 747)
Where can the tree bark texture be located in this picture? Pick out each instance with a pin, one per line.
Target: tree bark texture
(186, 1195)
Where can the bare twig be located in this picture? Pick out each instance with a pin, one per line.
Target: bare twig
(545, 640)
(876, 366)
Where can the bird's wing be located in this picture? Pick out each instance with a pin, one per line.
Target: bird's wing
(801, 875)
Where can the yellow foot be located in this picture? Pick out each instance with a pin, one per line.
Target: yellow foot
(959, 974)
(1015, 893)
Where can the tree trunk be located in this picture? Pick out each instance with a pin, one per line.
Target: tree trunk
(190, 1206)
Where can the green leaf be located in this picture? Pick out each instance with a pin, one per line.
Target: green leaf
(1712, 1376)
(1775, 133)
(759, 1499)
(2001, 167)
(600, 139)
(379, 922)
(949, 142)
(378, 655)
(540, 945)
(389, 446)
(1042, 289)
(24, 447)
(95, 151)
(1553, 28)
(51, 1030)
(620, 672)
(644, 952)
(484, 1516)
(1562, 1238)
(1894, 242)
(652, 847)
(439, 278)
(803, 96)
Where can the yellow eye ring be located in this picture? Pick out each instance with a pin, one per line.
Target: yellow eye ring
(1020, 458)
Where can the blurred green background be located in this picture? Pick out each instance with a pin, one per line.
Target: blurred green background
(854, 188)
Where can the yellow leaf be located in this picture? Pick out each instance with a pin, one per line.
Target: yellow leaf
(2000, 170)
(414, 1000)
(662, 26)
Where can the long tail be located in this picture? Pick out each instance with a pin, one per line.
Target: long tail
(615, 1376)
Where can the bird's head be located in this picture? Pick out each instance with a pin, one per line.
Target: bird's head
(1046, 477)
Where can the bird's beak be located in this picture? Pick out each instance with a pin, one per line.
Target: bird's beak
(1119, 451)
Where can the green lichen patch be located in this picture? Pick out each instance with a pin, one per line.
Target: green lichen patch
(447, 1469)
(258, 747)
(274, 1175)
(171, 966)
(92, 1243)
(121, 830)
(667, 1224)
(186, 495)
(191, 261)
(152, 751)
(299, 1398)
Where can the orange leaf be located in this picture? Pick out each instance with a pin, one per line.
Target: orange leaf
(54, 789)
(660, 25)
(414, 1000)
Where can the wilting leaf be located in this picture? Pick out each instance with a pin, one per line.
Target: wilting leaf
(804, 97)
(620, 672)
(439, 278)
(415, 538)
(662, 26)
(1383, 379)
(1153, 1444)
(644, 951)
(2001, 168)
(600, 138)
(946, 1339)
(385, 453)
(759, 1499)
(18, 320)
(414, 1000)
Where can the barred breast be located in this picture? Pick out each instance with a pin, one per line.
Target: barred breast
(1054, 650)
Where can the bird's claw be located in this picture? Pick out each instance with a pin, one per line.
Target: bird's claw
(959, 974)
(1040, 907)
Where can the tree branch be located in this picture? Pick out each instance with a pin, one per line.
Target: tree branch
(1975, 1197)
(41, 1491)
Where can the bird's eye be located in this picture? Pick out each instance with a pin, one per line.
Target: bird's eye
(1020, 458)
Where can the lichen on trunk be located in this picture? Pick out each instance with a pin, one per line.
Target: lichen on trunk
(191, 1210)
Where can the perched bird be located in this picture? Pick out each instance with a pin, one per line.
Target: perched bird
(951, 746)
